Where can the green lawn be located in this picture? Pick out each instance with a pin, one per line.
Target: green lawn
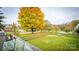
(8, 33)
(0, 45)
(50, 42)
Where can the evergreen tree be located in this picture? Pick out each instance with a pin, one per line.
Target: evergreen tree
(1, 21)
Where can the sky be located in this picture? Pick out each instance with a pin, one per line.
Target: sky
(56, 15)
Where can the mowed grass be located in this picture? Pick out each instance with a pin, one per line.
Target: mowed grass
(8, 33)
(53, 42)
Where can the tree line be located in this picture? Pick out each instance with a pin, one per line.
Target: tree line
(33, 18)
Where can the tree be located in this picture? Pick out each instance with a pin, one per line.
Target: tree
(31, 18)
(48, 25)
(74, 22)
(62, 27)
(68, 27)
(1, 21)
(71, 25)
(14, 28)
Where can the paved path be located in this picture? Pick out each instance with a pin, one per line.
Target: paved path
(19, 45)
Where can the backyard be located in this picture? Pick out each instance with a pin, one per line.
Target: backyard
(50, 41)
(39, 29)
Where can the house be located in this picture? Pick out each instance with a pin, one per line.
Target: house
(8, 28)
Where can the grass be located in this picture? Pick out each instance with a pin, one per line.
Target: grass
(0, 45)
(30, 36)
(53, 42)
(8, 33)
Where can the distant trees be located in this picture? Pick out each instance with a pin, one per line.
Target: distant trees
(31, 18)
(14, 28)
(74, 22)
(48, 25)
(69, 26)
(1, 21)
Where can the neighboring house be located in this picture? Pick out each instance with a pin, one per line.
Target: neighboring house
(77, 26)
(77, 29)
(8, 28)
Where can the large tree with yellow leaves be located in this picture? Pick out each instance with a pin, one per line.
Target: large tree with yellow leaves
(31, 18)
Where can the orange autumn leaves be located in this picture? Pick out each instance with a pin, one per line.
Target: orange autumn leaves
(31, 17)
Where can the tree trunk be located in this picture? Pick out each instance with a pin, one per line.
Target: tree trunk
(32, 30)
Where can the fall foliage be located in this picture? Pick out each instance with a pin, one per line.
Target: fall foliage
(31, 18)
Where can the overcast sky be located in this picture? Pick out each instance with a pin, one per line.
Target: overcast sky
(56, 15)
